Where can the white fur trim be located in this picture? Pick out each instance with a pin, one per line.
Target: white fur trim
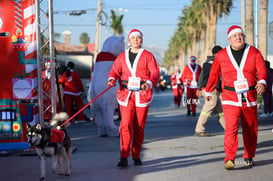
(111, 78)
(135, 33)
(150, 84)
(262, 82)
(208, 93)
(236, 30)
(239, 104)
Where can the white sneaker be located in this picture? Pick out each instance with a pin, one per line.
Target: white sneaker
(271, 114)
(264, 115)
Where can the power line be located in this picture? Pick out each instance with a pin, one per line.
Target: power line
(175, 24)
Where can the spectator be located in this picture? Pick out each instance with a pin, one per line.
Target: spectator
(267, 95)
(213, 106)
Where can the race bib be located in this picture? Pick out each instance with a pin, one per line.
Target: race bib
(193, 84)
(134, 83)
(241, 86)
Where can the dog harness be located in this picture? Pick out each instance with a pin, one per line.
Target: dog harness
(57, 136)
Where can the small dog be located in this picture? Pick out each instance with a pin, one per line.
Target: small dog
(52, 142)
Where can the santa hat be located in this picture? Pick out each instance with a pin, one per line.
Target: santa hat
(47, 62)
(192, 58)
(135, 32)
(234, 29)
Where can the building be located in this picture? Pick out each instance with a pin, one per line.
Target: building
(81, 55)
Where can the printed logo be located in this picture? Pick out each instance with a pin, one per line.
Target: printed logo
(6, 127)
(16, 127)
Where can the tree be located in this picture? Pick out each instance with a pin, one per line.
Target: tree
(243, 14)
(196, 26)
(263, 27)
(215, 9)
(57, 35)
(116, 24)
(84, 38)
(249, 23)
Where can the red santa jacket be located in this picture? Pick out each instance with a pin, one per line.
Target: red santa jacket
(252, 64)
(145, 67)
(72, 84)
(175, 79)
(191, 75)
(46, 74)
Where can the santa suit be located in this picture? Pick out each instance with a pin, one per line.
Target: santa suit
(252, 64)
(177, 88)
(134, 104)
(190, 78)
(73, 89)
(47, 93)
(103, 108)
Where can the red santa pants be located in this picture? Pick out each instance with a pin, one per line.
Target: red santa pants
(248, 117)
(192, 99)
(132, 124)
(177, 92)
(68, 105)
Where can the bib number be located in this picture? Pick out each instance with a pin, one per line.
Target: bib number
(134, 83)
(241, 86)
(194, 84)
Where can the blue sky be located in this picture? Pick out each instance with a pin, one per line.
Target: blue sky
(157, 19)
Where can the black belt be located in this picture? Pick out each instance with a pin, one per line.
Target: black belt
(233, 89)
(125, 84)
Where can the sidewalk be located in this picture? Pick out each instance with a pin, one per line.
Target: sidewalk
(170, 152)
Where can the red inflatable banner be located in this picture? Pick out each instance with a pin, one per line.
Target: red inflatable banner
(18, 68)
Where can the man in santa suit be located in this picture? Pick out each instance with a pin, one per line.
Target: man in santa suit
(137, 72)
(190, 76)
(243, 76)
(103, 108)
(177, 87)
(73, 89)
(46, 77)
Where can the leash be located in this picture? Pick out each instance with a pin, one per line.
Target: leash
(85, 106)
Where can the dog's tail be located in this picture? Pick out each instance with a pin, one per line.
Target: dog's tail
(58, 119)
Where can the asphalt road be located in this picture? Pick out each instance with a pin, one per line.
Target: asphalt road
(170, 152)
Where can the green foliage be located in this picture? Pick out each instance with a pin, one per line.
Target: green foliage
(116, 23)
(84, 38)
(192, 25)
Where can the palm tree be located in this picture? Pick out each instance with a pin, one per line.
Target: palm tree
(250, 23)
(116, 24)
(216, 10)
(198, 23)
(57, 35)
(84, 38)
(263, 27)
(243, 14)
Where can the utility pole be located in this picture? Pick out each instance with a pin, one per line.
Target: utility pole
(98, 29)
(256, 24)
(52, 56)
